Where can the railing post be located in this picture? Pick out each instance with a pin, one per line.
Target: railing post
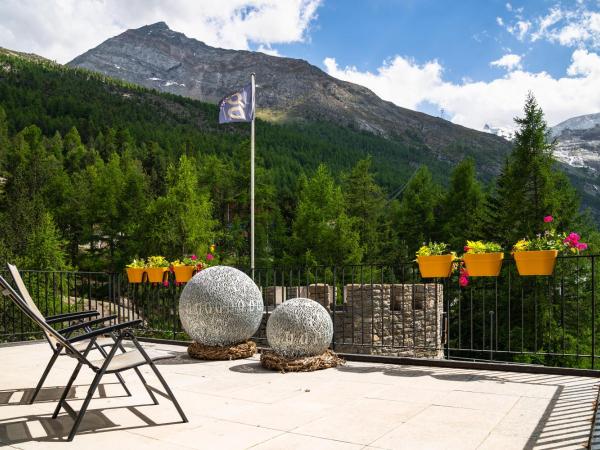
(334, 305)
(593, 312)
(491, 335)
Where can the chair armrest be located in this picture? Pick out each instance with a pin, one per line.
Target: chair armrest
(67, 317)
(88, 323)
(105, 330)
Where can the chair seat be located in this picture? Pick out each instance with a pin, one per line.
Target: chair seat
(104, 342)
(129, 360)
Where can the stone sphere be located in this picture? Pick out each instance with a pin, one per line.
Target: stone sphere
(299, 327)
(220, 306)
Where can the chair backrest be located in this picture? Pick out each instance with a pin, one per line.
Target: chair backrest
(28, 306)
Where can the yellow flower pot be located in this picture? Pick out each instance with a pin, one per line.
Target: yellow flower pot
(135, 274)
(156, 274)
(183, 274)
(438, 266)
(483, 264)
(536, 262)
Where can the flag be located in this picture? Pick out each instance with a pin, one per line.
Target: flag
(237, 107)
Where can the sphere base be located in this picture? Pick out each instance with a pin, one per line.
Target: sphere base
(273, 361)
(217, 353)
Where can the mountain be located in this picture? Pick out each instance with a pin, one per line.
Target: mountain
(288, 89)
(578, 141)
(578, 148)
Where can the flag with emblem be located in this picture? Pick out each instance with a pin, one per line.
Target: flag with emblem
(238, 106)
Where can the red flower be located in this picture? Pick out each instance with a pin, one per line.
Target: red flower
(209, 257)
(463, 281)
(467, 248)
(165, 283)
(193, 257)
(548, 219)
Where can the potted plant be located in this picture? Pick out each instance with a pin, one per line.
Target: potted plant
(135, 270)
(156, 267)
(538, 256)
(185, 267)
(435, 261)
(483, 259)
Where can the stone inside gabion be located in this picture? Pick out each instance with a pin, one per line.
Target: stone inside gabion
(299, 327)
(220, 306)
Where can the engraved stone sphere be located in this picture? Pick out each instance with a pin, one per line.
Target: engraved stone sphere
(299, 327)
(220, 306)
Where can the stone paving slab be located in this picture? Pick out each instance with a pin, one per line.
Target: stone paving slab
(239, 405)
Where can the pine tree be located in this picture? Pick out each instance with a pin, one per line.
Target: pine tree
(530, 185)
(44, 249)
(322, 232)
(180, 222)
(366, 205)
(416, 211)
(463, 207)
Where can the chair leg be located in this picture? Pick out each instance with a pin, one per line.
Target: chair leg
(145, 383)
(63, 397)
(85, 405)
(44, 375)
(168, 390)
(160, 378)
(72, 380)
(99, 374)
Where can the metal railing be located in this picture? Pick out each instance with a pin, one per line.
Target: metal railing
(376, 309)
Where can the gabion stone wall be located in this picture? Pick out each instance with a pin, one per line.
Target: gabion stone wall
(381, 319)
(391, 319)
(321, 293)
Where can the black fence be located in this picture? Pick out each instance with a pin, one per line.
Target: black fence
(376, 309)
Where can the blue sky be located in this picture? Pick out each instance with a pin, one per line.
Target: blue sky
(476, 60)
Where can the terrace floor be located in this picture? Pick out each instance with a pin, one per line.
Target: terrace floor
(237, 404)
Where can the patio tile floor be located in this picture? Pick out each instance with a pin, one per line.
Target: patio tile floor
(239, 405)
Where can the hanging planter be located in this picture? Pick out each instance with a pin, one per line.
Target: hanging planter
(156, 274)
(536, 262)
(183, 274)
(135, 274)
(483, 259)
(156, 267)
(135, 271)
(435, 266)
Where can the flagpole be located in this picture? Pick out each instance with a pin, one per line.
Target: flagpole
(252, 267)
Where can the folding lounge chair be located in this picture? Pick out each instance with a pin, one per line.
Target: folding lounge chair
(69, 318)
(112, 363)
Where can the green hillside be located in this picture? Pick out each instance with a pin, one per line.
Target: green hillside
(97, 171)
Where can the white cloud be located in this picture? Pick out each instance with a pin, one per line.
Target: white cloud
(63, 29)
(476, 103)
(499, 21)
(576, 26)
(509, 61)
(519, 29)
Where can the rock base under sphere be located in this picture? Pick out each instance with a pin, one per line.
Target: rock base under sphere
(217, 353)
(273, 361)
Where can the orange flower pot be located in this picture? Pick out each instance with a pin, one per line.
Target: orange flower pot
(483, 264)
(438, 266)
(135, 274)
(536, 262)
(183, 274)
(156, 274)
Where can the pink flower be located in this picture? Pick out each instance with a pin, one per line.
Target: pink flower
(165, 283)
(581, 246)
(463, 281)
(572, 239)
(548, 219)
(209, 257)
(193, 257)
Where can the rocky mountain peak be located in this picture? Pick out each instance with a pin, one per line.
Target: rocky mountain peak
(287, 89)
